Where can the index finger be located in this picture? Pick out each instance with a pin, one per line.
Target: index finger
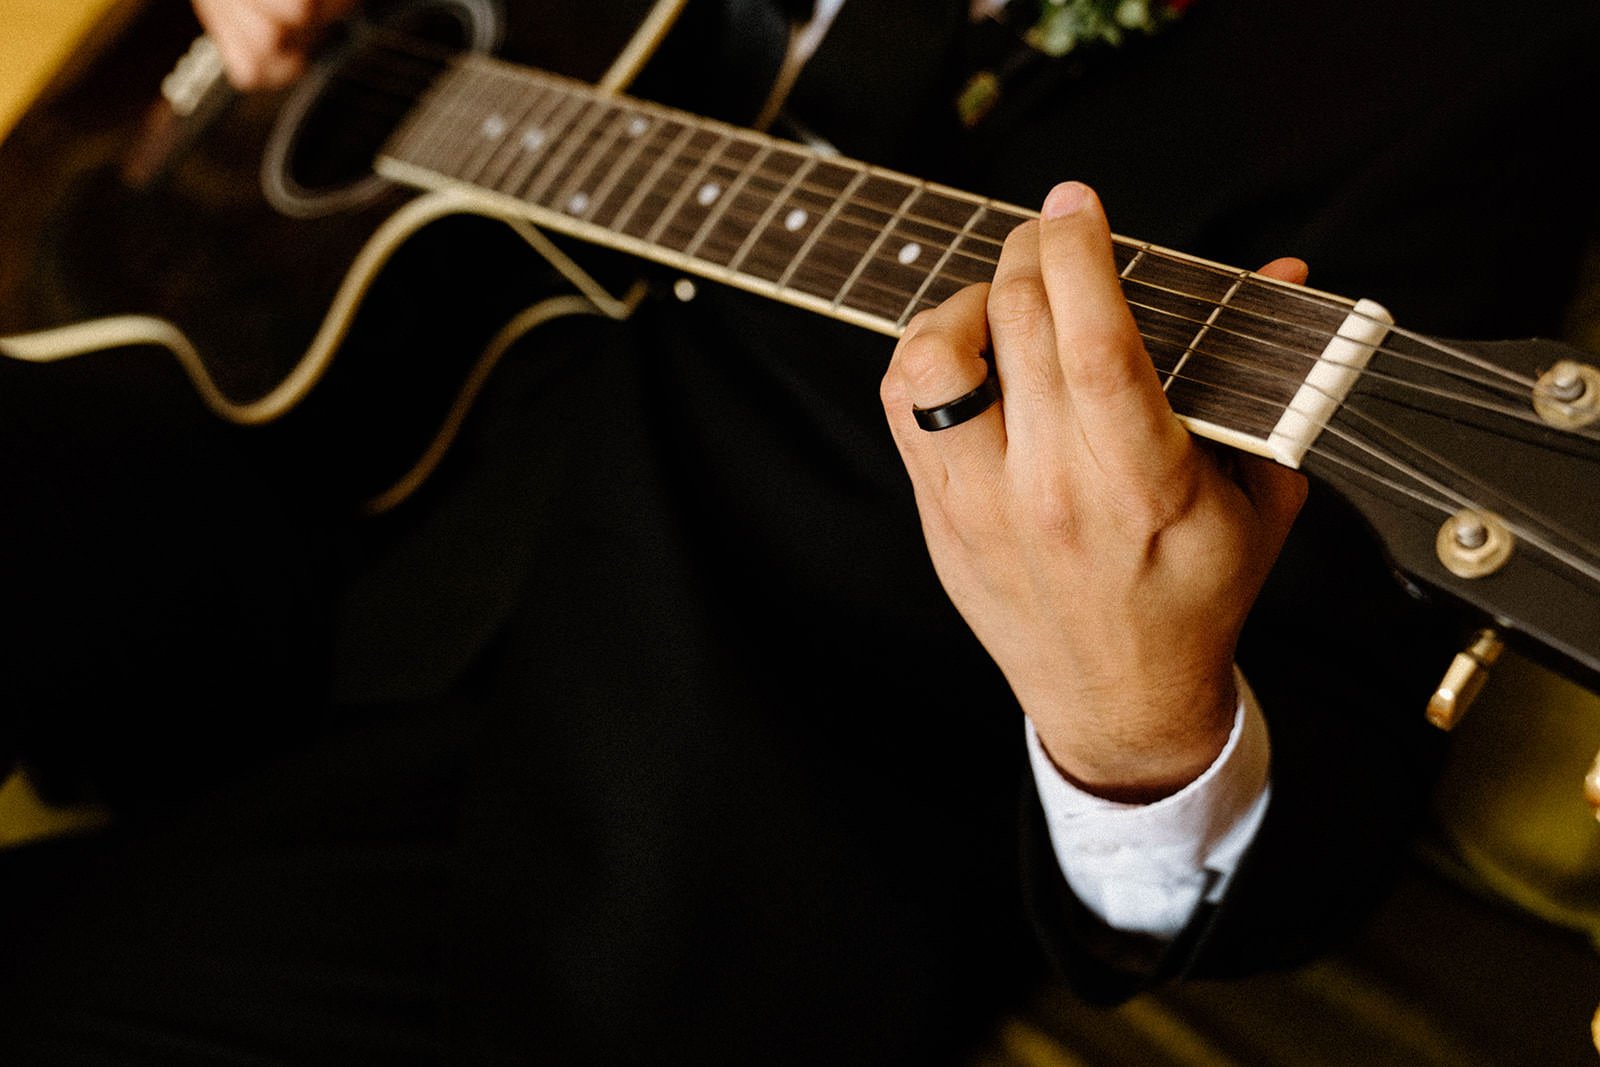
(1127, 424)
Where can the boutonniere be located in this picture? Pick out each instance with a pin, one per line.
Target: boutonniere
(1068, 24)
(1062, 27)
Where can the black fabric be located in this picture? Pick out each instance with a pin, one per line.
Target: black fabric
(712, 773)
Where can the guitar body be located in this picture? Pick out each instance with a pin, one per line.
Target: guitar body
(118, 206)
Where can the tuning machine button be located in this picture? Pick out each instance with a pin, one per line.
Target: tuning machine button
(1568, 395)
(1591, 786)
(1473, 543)
(1464, 680)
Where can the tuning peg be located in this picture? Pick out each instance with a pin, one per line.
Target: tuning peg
(1464, 680)
(1568, 395)
(1591, 786)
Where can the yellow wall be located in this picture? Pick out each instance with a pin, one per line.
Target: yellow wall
(34, 36)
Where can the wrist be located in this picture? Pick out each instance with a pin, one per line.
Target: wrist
(1138, 748)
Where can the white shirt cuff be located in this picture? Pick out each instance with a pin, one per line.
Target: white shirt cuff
(1144, 868)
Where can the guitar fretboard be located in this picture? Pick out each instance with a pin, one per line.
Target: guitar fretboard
(1245, 360)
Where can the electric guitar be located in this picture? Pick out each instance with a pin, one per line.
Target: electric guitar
(1477, 465)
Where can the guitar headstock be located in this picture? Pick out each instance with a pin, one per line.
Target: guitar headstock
(1477, 465)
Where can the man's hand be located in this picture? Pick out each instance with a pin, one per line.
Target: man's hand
(1103, 555)
(264, 42)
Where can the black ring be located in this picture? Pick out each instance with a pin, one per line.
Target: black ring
(959, 410)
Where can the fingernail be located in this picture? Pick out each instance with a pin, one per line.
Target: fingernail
(1064, 199)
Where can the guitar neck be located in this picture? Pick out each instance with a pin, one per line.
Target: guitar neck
(1247, 361)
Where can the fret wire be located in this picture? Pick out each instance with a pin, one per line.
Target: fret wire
(1210, 320)
(938, 267)
(458, 146)
(1203, 382)
(923, 303)
(1367, 373)
(687, 131)
(726, 201)
(535, 108)
(752, 138)
(406, 143)
(677, 201)
(1240, 334)
(609, 129)
(1290, 383)
(1138, 257)
(499, 92)
(1394, 354)
(877, 243)
(1307, 354)
(1293, 295)
(824, 223)
(462, 145)
(968, 226)
(1266, 371)
(551, 130)
(759, 230)
(618, 169)
(762, 139)
(652, 177)
(1192, 263)
(511, 142)
(445, 107)
(759, 139)
(1269, 404)
(1255, 368)
(556, 167)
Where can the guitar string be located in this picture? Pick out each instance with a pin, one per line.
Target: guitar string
(1534, 530)
(1392, 461)
(1587, 568)
(1377, 452)
(1496, 501)
(777, 181)
(901, 296)
(521, 78)
(611, 158)
(511, 71)
(701, 229)
(1352, 404)
(403, 46)
(867, 282)
(1521, 414)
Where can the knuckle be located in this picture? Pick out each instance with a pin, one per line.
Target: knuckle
(1018, 303)
(1147, 508)
(1102, 364)
(1049, 507)
(925, 361)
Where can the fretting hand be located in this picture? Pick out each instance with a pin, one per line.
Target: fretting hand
(1104, 556)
